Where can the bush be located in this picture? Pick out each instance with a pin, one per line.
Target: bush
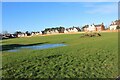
(91, 35)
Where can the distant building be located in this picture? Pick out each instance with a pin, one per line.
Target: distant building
(115, 25)
(65, 31)
(56, 31)
(36, 33)
(84, 28)
(22, 35)
(73, 29)
(100, 27)
(93, 27)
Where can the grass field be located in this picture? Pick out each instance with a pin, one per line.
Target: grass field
(89, 57)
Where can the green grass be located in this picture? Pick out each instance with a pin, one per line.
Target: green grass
(90, 57)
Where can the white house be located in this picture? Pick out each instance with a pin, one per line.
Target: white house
(72, 30)
(22, 35)
(75, 30)
(69, 30)
(40, 32)
(65, 31)
(113, 27)
(36, 33)
(19, 35)
(52, 32)
(32, 34)
(56, 31)
(91, 28)
(48, 32)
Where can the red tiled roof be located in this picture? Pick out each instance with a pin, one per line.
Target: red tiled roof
(99, 25)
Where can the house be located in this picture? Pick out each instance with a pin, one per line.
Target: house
(32, 33)
(22, 35)
(91, 28)
(18, 35)
(73, 29)
(47, 32)
(7, 36)
(94, 27)
(65, 31)
(56, 31)
(85, 28)
(100, 27)
(52, 32)
(60, 30)
(115, 25)
(69, 29)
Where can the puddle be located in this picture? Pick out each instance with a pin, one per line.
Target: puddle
(13, 50)
(44, 46)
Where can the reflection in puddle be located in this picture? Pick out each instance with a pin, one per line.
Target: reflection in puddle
(13, 50)
(44, 46)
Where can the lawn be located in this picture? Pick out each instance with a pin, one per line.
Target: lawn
(88, 57)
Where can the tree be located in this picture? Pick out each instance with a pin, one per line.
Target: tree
(86, 26)
(78, 28)
(118, 27)
(61, 29)
(28, 34)
(18, 32)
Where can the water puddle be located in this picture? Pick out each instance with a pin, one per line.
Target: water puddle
(44, 46)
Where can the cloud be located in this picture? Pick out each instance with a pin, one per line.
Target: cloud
(102, 9)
